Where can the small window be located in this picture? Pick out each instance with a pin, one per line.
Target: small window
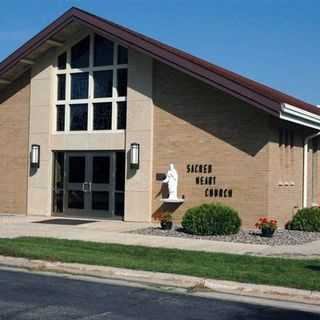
(122, 55)
(80, 54)
(77, 169)
(79, 85)
(103, 51)
(60, 118)
(102, 116)
(122, 115)
(61, 95)
(78, 117)
(122, 82)
(100, 200)
(120, 170)
(75, 199)
(62, 61)
(103, 83)
(119, 204)
(101, 169)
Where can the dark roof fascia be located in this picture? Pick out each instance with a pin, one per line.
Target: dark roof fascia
(154, 48)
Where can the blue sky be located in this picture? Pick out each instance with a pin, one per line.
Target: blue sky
(275, 42)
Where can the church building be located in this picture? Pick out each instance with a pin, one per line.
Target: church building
(92, 115)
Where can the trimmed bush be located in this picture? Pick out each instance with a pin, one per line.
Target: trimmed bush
(307, 219)
(211, 219)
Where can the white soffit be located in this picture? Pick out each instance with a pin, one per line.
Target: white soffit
(300, 116)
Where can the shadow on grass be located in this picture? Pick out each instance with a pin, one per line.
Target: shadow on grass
(313, 268)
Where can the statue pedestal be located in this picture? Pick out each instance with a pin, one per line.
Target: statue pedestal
(172, 200)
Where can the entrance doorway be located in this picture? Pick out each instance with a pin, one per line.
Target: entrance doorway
(89, 184)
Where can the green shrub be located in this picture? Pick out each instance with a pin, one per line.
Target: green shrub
(307, 219)
(211, 219)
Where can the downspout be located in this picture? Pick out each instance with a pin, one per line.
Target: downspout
(305, 167)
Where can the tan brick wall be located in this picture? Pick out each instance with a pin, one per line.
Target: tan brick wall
(14, 131)
(196, 124)
(286, 172)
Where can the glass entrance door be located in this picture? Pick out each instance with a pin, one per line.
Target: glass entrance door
(89, 184)
(102, 177)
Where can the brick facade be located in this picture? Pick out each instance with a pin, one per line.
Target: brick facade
(14, 132)
(196, 124)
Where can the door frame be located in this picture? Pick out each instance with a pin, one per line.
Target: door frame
(87, 211)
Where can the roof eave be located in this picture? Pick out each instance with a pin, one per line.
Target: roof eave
(297, 115)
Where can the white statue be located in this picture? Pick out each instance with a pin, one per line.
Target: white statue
(172, 181)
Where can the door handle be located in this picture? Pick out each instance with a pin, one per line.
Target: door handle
(86, 187)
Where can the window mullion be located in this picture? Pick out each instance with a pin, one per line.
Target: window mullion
(68, 93)
(90, 102)
(114, 89)
(91, 85)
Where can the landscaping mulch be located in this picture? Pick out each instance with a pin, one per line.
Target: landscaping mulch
(281, 237)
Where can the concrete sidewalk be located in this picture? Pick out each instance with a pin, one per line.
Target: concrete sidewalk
(107, 231)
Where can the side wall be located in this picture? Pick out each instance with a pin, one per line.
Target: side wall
(14, 132)
(286, 171)
(196, 124)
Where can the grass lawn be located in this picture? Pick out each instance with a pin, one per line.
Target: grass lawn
(302, 274)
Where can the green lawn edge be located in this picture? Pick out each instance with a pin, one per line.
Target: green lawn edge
(300, 274)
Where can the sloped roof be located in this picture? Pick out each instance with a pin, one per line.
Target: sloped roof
(241, 87)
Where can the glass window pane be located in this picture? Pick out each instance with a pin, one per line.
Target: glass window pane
(119, 204)
(78, 117)
(102, 116)
(79, 85)
(122, 115)
(122, 55)
(77, 168)
(58, 170)
(100, 200)
(103, 84)
(80, 54)
(61, 87)
(60, 118)
(62, 61)
(120, 170)
(122, 82)
(76, 199)
(58, 182)
(58, 201)
(103, 51)
(101, 169)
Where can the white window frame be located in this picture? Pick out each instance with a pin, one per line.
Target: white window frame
(91, 100)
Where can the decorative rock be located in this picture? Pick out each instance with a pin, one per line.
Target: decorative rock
(281, 237)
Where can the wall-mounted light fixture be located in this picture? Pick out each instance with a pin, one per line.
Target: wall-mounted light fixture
(134, 155)
(35, 156)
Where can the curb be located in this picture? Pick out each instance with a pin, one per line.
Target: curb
(167, 279)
